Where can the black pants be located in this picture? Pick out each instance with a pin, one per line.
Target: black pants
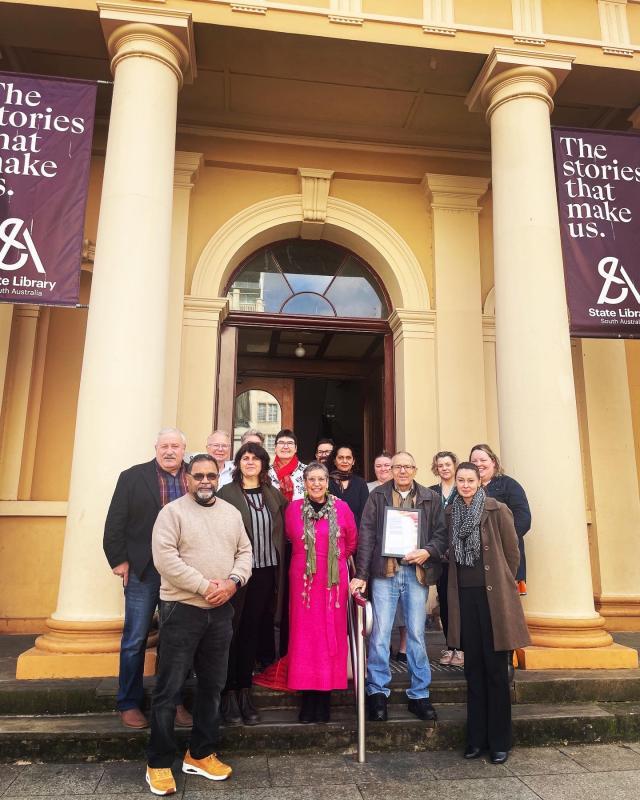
(488, 694)
(189, 636)
(256, 605)
(442, 598)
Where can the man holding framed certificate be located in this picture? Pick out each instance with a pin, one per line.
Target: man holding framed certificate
(402, 540)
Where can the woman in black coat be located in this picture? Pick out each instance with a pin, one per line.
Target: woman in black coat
(345, 484)
(261, 506)
(508, 491)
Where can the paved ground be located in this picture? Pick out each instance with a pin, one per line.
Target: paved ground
(568, 773)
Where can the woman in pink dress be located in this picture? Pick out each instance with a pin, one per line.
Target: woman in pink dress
(323, 534)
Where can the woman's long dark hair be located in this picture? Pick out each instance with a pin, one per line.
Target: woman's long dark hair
(259, 452)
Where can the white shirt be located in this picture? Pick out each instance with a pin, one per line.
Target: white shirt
(225, 474)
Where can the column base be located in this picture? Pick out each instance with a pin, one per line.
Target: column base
(35, 664)
(79, 649)
(614, 656)
(620, 613)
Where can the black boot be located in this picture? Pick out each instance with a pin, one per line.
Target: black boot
(308, 707)
(230, 709)
(247, 709)
(323, 706)
(377, 707)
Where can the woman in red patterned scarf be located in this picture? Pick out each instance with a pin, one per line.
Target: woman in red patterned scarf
(286, 471)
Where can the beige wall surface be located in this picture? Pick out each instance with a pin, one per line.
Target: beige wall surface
(30, 557)
(577, 18)
(56, 426)
(496, 14)
(398, 8)
(633, 369)
(633, 20)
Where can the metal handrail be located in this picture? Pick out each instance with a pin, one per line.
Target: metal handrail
(359, 623)
(361, 605)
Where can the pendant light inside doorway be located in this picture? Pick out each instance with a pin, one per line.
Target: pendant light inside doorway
(300, 352)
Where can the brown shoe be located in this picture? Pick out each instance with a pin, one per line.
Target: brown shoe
(133, 718)
(183, 718)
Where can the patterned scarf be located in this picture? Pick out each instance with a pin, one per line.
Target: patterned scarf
(309, 517)
(465, 521)
(284, 472)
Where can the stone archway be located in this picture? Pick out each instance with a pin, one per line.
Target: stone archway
(347, 224)
(362, 232)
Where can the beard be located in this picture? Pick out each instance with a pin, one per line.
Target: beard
(204, 497)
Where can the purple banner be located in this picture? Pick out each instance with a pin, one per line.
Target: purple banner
(598, 182)
(46, 126)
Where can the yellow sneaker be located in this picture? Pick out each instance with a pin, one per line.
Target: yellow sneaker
(161, 780)
(209, 767)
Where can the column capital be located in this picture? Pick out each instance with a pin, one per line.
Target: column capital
(509, 73)
(410, 323)
(454, 192)
(159, 33)
(205, 311)
(186, 169)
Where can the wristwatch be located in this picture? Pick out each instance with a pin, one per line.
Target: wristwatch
(235, 579)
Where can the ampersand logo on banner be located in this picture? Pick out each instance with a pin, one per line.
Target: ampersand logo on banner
(15, 239)
(607, 269)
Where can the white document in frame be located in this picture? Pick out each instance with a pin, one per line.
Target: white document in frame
(401, 531)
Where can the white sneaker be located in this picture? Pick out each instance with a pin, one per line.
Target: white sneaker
(445, 659)
(457, 659)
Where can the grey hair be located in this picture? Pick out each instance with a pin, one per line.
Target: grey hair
(313, 467)
(404, 453)
(251, 432)
(166, 431)
(221, 432)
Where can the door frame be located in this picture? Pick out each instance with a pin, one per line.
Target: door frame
(238, 319)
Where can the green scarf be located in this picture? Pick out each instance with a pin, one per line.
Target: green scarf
(309, 517)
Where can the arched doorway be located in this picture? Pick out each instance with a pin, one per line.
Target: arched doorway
(308, 341)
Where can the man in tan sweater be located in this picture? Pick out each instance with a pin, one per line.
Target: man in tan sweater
(202, 552)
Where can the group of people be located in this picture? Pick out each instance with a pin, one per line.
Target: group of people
(234, 550)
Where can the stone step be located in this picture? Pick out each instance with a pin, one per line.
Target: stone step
(82, 737)
(99, 694)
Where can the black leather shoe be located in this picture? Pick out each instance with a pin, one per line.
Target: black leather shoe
(423, 709)
(499, 757)
(377, 707)
(230, 709)
(247, 709)
(307, 708)
(472, 752)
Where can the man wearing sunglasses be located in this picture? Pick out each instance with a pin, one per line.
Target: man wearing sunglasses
(203, 554)
(140, 493)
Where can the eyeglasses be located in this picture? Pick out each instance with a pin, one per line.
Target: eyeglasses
(285, 443)
(219, 446)
(403, 467)
(200, 476)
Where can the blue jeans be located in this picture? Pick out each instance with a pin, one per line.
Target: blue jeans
(189, 635)
(385, 593)
(141, 597)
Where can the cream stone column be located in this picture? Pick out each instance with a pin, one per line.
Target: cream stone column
(414, 356)
(616, 504)
(538, 420)
(185, 175)
(16, 398)
(197, 400)
(458, 299)
(120, 403)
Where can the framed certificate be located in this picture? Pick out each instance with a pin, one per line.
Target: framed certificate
(401, 531)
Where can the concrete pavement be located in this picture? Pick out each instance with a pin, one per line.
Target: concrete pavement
(542, 773)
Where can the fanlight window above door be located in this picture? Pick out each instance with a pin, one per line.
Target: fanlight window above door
(307, 278)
